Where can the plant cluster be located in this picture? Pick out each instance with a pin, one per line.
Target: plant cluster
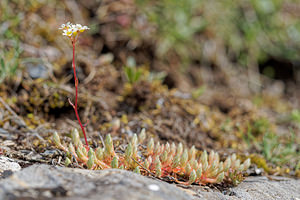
(160, 160)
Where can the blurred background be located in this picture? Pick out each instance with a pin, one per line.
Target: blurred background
(247, 43)
(233, 67)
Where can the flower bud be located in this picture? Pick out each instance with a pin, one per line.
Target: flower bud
(217, 158)
(137, 170)
(247, 164)
(84, 151)
(169, 159)
(75, 137)
(157, 163)
(91, 152)
(162, 148)
(134, 140)
(146, 164)
(194, 164)
(80, 155)
(150, 146)
(56, 139)
(71, 149)
(158, 172)
(157, 167)
(214, 172)
(150, 160)
(167, 147)
(188, 169)
(67, 162)
(241, 168)
(128, 153)
(220, 177)
(114, 162)
(176, 161)
(237, 164)
(233, 158)
(157, 148)
(179, 149)
(173, 149)
(203, 157)
(91, 159)
(192, 153)
(199, 172)
(211, 157)
(221, 167)
(214, 165)
(192, 177)
(99, 153)
(184, 158)
(205, 166)
(134, 151)
(128, 150)
(91, 162)
(80, 145)
(164, 157)
(109, 146)
(227, 164)
(68, 154)
(142, 136)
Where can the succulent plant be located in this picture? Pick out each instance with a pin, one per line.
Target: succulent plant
(161, 160)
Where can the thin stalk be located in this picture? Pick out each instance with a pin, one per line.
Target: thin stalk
(76, 95)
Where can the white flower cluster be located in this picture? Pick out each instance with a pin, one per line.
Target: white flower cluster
(72, 30)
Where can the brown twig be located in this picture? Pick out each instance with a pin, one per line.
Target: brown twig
(21, 121)
(144, 168)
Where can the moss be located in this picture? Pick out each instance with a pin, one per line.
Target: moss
(260, 162)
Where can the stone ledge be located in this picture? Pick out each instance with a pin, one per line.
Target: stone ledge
(49, 182)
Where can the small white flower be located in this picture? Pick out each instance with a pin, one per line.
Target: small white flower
(79, 26)
(65, 32)
(72, 30)
(62, 26)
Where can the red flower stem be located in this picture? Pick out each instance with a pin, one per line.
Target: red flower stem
(76, 95)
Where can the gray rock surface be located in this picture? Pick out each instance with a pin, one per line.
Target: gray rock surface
(258, 188)
(8, 164)
(49, 182)
(262, 188)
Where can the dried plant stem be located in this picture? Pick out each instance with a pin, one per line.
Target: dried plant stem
(20, 120)
(76, 95)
